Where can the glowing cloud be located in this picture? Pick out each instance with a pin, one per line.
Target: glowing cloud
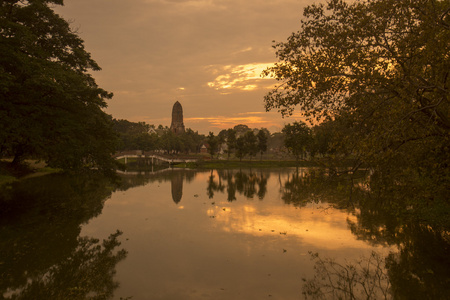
(242, 77)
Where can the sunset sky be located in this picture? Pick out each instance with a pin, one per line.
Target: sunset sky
(206, 54)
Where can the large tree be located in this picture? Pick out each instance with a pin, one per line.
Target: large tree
(377, 71)
(297, 139)
(50, 105)
(380, 67)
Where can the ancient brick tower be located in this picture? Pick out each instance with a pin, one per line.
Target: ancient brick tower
(177, 125)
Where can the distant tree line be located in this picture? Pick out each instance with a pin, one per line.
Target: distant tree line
(146, 137)
(238, 142)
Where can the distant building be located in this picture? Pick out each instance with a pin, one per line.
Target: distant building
(177, 125)
(204, 148)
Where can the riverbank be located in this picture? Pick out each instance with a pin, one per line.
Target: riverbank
(29, 168)
(232, 164)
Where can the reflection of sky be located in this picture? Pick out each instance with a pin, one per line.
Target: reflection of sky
(215, 249)
(319, 226)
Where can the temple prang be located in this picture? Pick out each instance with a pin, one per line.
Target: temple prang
(177, 125)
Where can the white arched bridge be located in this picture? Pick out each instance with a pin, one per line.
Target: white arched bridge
(153, 156)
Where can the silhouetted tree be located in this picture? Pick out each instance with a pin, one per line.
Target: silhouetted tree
(231, 141)
(213, 143)
(251, 143)
(50, 105)
(262, 142)
(297, 138)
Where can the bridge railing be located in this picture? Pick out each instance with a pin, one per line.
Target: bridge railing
(151, 155)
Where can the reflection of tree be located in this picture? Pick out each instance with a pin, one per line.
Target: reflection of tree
(297, 189)
(212, 186)
(40, 223)
(246, 183)
(308, 185)
(262, 183)
(87, 273)
(231, 187)
(364, 279)
(421, 269)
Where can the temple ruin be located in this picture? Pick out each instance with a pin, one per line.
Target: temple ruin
(177, 125)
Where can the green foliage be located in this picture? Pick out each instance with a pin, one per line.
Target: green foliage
(241, 149)
(213, 143)
(145, 137)
(376, 74)
(50, 105)
(298, 138)
(231, 141)
(262, 142)
(251, 143)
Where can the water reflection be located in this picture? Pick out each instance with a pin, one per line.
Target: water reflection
(233, 247)
(42, 254)
(176, 177)
(365, 278)
(245, 182)
(177, 187)
(419, 269)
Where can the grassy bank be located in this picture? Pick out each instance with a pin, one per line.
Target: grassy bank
(29, 168)
(229, 164)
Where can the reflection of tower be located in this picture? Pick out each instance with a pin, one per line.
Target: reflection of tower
(177, 187)
(177, 125)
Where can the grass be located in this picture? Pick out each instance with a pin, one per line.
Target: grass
(29, 168)
(5, 179)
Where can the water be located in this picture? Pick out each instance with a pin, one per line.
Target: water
(184, 234)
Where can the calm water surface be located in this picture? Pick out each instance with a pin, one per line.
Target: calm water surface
(228, 234)
(205, 235)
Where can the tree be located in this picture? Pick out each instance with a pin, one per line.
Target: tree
(135, 136)
(380, 69)
(213, 143)
(191, 140)
(251, 145)
(50, 106)
(297, 138)
(241, 129)
(231, 141)
(241, 149)
(170, 142)
(262, 142)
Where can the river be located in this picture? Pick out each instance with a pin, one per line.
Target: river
(189, 234)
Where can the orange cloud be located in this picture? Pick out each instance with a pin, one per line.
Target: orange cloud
(241, 77)
(251, 119)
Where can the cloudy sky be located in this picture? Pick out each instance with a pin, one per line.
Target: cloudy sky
(206, 54)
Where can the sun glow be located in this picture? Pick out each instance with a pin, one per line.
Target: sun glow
(251, 119)
(247, 219)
